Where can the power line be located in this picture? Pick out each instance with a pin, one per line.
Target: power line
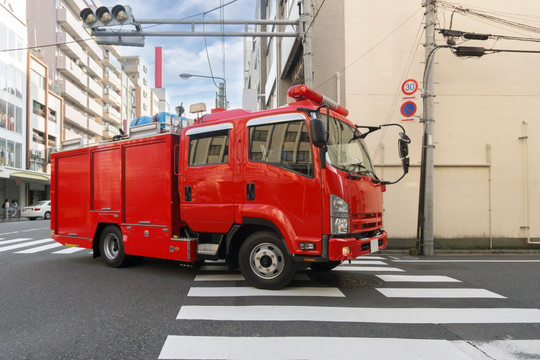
(373, 47)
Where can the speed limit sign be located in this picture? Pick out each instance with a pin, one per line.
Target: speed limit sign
(409, 87)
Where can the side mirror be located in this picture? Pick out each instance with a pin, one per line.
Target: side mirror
(318, 133)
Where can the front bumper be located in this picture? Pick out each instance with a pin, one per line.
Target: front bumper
(340, 249)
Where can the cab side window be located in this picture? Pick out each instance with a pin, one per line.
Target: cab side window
(209, 148)
(286, 145)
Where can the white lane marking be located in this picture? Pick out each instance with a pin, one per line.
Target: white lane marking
(30, 243)
(238, 277)
(509, 349)
(451, 293)
(214, 268)
(250, 291)
(364, 262)
(316, 348)
(367, 268)
(416, 278)
(69, 250)
(39, 248)
(368, 257)
(5, 242)
(361, 315)
(467, 261)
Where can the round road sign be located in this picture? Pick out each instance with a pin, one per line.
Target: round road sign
(408, 109)
(409, 87)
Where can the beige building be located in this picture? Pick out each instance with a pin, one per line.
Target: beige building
(487, 184)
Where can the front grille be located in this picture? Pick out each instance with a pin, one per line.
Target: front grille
(366, 222)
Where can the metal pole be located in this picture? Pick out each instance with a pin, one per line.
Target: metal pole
(427, 240)
(221, 96)
(305, 22)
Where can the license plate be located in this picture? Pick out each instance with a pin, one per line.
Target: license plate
(374, 244)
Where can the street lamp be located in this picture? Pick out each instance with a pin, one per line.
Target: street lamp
(221, 96)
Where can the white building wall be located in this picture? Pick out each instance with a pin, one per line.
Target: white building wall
(486, 117)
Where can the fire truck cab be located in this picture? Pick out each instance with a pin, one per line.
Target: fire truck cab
(267, 191)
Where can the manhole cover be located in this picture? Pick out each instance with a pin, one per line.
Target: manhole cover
(346, 280)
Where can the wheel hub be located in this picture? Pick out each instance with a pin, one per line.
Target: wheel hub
(267, 261)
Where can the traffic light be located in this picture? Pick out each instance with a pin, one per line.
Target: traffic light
(103, 16)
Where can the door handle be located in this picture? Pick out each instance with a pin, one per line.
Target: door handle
(250, 191)
(187, 193)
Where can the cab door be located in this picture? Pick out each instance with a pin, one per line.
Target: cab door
(281, 183)
(206, 181)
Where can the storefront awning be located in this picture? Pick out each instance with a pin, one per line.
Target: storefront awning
(30, 177)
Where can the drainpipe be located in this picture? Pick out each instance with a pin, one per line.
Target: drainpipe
(527, 226)
(490, 211)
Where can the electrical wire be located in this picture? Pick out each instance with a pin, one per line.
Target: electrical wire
(373, 47)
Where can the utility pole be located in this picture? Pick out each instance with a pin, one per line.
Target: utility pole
(305, 20)
(427, 172)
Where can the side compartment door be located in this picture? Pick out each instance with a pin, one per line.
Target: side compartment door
(206, 190)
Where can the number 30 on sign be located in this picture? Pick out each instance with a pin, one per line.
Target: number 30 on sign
(409, 87)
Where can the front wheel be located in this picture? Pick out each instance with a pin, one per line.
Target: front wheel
(264, 261)
(111, 246)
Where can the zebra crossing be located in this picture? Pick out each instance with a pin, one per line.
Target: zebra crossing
(492, 308)
(33, 246)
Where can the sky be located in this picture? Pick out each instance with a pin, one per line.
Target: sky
(188, 54)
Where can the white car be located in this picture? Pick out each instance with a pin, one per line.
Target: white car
(38, 209)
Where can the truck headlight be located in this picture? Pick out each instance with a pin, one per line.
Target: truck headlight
(339, 215)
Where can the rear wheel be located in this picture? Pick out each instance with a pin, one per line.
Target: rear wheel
(111, 246)
(264, 261)
(47, 215)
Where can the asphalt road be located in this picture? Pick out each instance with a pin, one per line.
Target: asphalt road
(59, 304)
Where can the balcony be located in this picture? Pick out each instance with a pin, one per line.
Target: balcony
(111, 79)
(94, 108)
(111, 97)
(94, 69)
(69, 135)
(112, 115)
(71, 48)
(72, 25)
(95, 128)
(94, 89)
(52, 128)
(75, 117)
(130, 68)
(71, 92)
(112, 63)
(37, 122)
(71, 70)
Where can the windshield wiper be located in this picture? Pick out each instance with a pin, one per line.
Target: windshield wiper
(362, 170)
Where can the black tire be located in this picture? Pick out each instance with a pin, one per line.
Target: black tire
(324, 266)
(265, 262)
(47, 215)
(111, 247)
(32, 218)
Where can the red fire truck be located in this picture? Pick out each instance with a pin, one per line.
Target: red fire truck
(267, 191)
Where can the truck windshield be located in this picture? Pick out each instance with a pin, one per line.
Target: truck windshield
(346, 151)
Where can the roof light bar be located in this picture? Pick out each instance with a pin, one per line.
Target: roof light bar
(302, 92)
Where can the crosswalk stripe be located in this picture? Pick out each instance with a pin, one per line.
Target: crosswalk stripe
(238, 277)
(361, 315)
(368, 257)
(452, 293)
(318, 348)
(39, 248)
(2, 243)
(367, 262)
(250, 291)
(367, 268)
(69, 250)
(214, 268)
(416, 278)
(30, 243)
